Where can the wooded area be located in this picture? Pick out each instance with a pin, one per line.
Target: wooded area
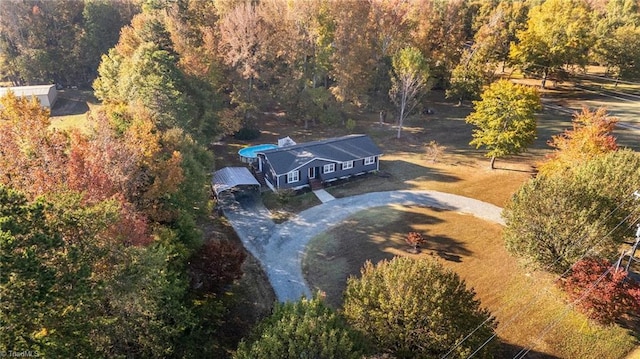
(105, 224)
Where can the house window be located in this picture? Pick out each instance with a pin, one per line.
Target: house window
(370, 160)
(331, 167)
(347, 165)
(293, 176)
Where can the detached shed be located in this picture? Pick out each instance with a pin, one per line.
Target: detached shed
(230, 178)
(46, 94)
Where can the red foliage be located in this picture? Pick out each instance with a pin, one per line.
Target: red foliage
(132, 227)
(602, 292)
(414, 239)
(215, 266)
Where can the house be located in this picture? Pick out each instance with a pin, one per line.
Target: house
(46, 94)
(314, 163)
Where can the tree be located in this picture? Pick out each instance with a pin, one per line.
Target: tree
(390, 26)
(469, 77)
(497, 28)
(44, 38)
(504, 119)
(416, 309)
(558, 33)
(590, 137)
(352, 60)
(409, 81)
(41, 277)
(144, 69)
(414, 239)
(478, 63)
(61, 41)
(439, 32)
(59, 266)
(303, 329)
(243, 35)
(553, 220)
(141, 308)
(617, 32)
(216, 265)
(302, 59)
(102, 21)
(601, 291)
(619, 51)
(32, 157)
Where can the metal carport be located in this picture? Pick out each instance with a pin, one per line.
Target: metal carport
(229, 178)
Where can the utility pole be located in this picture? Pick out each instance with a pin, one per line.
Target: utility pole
(631, 253)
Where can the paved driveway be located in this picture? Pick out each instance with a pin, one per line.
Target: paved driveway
(280, 248)
(251, 221)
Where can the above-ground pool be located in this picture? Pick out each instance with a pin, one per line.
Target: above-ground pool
(249, 154)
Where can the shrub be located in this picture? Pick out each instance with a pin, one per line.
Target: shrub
(247, 134)
(600, 291)
(414, 239)
(417, 309)
(304, 329)
(350, 125)
(434, 150)
(285, 195)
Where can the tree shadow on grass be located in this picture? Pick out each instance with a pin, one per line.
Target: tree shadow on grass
(393, 175)
(374, 235)
(69, 106)
(403, 170)
(632, 323)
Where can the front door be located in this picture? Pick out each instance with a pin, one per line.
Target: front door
(312, 172)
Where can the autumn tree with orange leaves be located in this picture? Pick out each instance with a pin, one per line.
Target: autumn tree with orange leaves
(591, 136)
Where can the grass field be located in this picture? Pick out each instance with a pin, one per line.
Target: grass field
(471, 247)
(68, 122)
(524, 303)
(71, 110)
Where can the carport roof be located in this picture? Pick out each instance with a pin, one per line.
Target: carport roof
(230, 177)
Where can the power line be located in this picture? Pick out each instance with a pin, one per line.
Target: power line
(569, 306)
(600, 91)
(535, 299)
(610, 79)
(531, 303)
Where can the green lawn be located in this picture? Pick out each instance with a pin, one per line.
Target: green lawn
(65, 123)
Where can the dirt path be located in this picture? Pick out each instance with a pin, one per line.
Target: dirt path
(280, 247)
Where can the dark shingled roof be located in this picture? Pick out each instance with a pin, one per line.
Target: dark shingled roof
(339, 149)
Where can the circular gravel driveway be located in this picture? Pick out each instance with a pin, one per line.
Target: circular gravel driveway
(280, 247)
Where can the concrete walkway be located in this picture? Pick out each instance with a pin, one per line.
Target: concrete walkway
(280, 248)
(323, 195)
